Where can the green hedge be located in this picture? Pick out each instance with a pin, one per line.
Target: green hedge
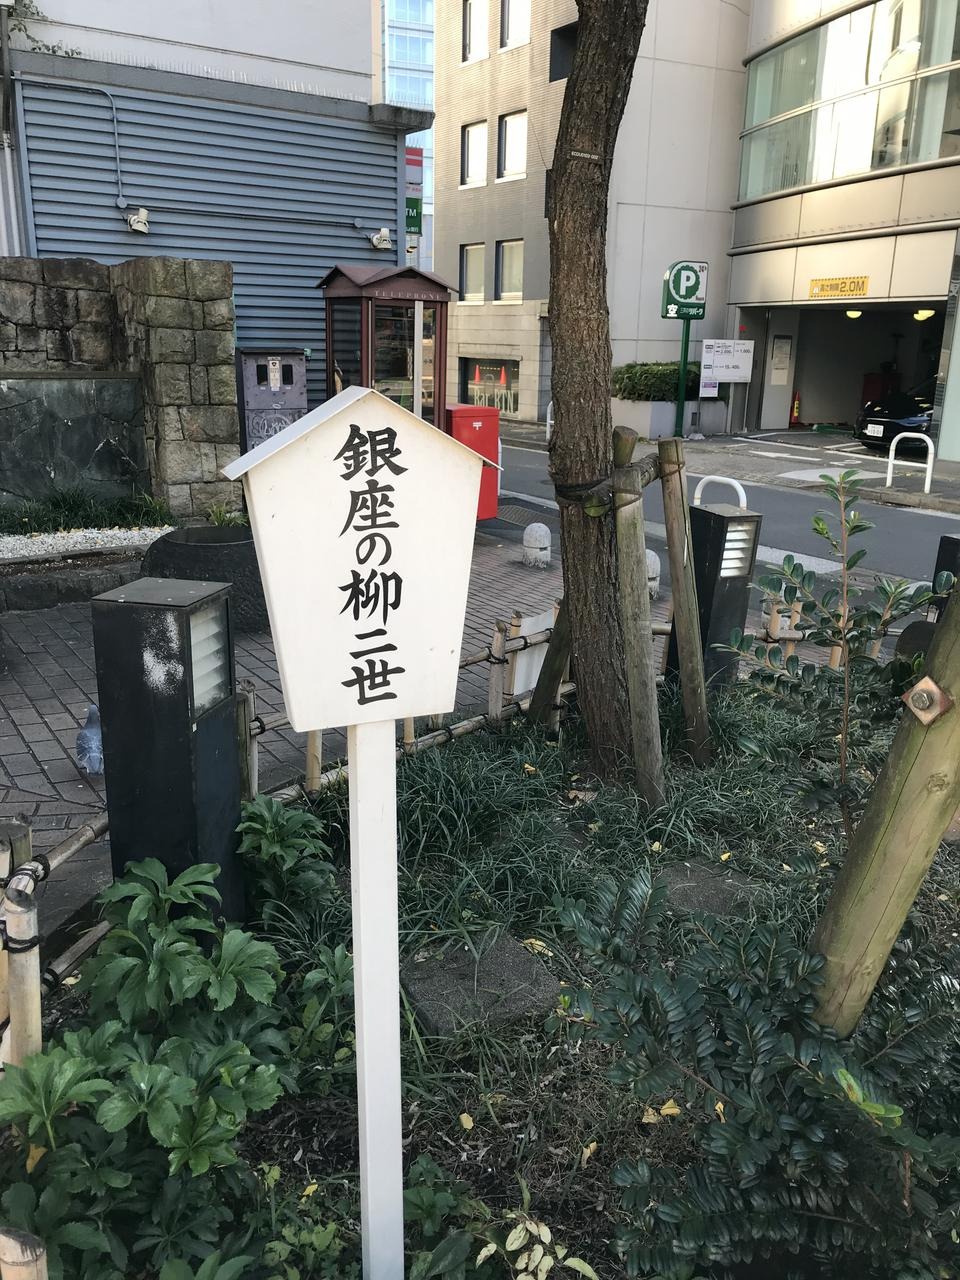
(656, 381)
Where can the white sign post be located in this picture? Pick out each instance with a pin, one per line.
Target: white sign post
(363, 517)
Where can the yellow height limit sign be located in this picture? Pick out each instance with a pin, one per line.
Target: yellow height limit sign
(840, 287)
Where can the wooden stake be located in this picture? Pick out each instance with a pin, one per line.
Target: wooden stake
(676, 517)
(795, 610)
(247, 741)
(908, 810)
(22, 1256)
(553, 724)
(23, 975)
(409, 735)
(314, 762)
(372, 757)
(665, 651)
(552, 671)
(16, 847)
(510, 684)
(496, 681)
(637, 633)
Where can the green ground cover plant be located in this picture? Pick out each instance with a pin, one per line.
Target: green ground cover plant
(76, 508)
(678, 1116)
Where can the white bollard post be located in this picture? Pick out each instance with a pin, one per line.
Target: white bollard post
(536, 546)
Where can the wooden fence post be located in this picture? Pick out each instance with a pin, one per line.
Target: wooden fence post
(510, 685)
(637, 633)
(314, 761)
(22, 1256)
(551, 673)
(909, 808)
(676, 517)
(23, 975)
(497, 680)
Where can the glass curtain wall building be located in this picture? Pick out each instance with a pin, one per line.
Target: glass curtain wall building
(408, 59)
(875, 89)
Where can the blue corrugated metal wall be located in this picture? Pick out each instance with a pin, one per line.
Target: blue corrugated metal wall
(275, 192)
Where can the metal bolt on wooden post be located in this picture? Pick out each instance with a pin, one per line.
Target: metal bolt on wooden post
(908, 810)
(22, 1256)
(23, 975)
(637, 633)
(676, 517)
(314, 761)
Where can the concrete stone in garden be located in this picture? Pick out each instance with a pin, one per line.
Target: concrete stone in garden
(705, 886)
(209, 280)
(455, 990)
(76, 273)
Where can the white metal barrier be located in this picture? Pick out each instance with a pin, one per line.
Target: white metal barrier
(734, 484)
(892, 457)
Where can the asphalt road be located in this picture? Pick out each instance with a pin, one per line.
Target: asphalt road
(902, 544)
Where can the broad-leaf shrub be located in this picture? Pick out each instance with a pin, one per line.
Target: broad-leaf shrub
(788, 1154)
(130, 1127)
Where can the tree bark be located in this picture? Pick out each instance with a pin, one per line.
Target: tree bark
(581, 446)
(908, 810)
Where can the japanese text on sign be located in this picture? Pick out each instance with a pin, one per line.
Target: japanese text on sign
(373, 593)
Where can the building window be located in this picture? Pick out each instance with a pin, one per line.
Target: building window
(473, 154)
(471, 272)
(509, 271)
(411, 49)
(854, 95)
(410, 87)
(491, 382)
(514, 23)
(419, 12)
(563, 45)
(475, 23)
(512, 145)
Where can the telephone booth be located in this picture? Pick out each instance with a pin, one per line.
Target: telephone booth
(387, 329)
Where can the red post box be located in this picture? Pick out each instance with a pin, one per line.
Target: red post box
(478, 427)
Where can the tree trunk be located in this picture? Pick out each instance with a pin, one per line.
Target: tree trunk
(908, 810)
(581, 446)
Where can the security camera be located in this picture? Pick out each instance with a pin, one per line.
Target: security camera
(139, 221)
(381, 239)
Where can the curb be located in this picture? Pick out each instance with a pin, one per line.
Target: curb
(919, 501)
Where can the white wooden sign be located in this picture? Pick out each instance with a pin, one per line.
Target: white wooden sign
(364, 518)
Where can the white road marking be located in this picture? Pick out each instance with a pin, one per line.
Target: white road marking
(791, 457)
(834, 472)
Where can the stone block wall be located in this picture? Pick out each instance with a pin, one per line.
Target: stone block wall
(55, 314)
(170, 321)
(175, 325)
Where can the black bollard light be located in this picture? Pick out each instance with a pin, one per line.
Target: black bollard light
(725, 541)
(165, 675)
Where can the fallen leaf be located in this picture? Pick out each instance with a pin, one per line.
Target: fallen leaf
(34, 1156)
(581, 797)
(656, 847)
(71, 981)
(309, 1190)
(466, 1121)
(588, 1151)
(534, 944)
(529, 768)
(485, 1253)
(670, 1109)
(726, 855)
(649, 1116)
(718, 1108)
(819, 846)
(786, 866)
(593, 826)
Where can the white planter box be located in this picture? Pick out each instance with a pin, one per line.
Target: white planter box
(653, 419)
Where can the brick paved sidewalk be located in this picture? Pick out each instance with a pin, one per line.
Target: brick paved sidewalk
(51, 681)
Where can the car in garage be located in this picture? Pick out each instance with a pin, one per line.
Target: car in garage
(880, 420)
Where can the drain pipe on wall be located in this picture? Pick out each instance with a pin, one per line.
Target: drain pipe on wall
(9, 221)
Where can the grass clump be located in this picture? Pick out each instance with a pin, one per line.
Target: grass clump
(75, 508)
